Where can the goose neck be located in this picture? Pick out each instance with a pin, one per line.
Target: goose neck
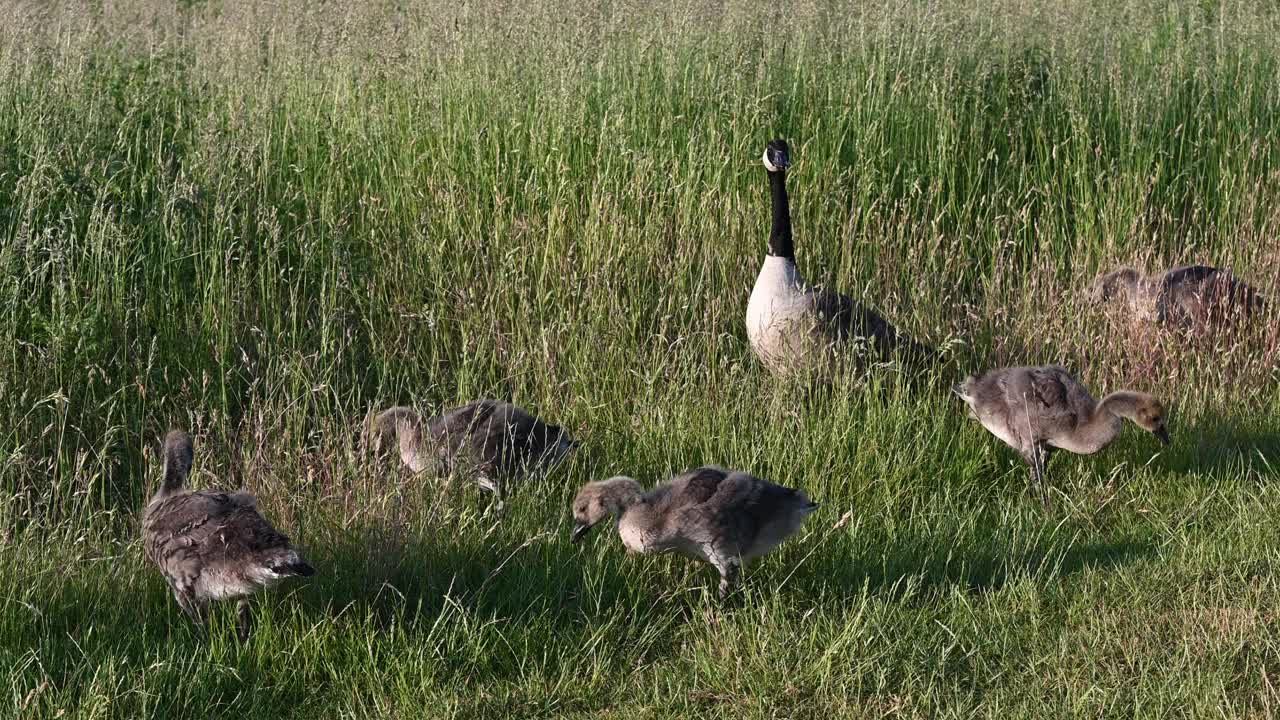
(780, 244)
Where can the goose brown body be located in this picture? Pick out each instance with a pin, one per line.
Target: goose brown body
(212, 545)
(794, 326)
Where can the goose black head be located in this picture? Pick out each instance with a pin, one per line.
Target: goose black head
(777, 156)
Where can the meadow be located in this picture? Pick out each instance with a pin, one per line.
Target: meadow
(261, 221)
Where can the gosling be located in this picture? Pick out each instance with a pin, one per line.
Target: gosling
(500, 441)
(723, 517)
(1193, 297)
(1036, 410)
(212, 545)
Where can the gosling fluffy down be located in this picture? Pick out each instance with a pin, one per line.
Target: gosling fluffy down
(212, 545)
(498, 440)
(722, 517)
(1036, 410)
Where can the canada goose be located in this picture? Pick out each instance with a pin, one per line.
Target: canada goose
(212, 545)
(498, 439)
(1188, 296)
(723, 517)
(1036, 410)
(792, 325)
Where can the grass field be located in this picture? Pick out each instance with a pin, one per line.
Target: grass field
(259, 221)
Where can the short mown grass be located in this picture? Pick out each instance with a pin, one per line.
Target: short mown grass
(261, 221)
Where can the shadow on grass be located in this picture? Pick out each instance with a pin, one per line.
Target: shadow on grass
(918, 568)
(510, 576)
(389, 573)
(1219, 444)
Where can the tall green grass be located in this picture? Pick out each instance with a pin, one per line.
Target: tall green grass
(260, 223)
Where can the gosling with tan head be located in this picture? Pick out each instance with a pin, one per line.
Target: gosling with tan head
(212, 545)
(1194, 297)
(1036, 410)
(722, 517)
(498, 440)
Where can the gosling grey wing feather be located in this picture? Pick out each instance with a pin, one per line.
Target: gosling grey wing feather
(736, 514)
(758, 504)
(1189, 274)
(185, 534)
(1202, 294)
(502, 438)
(463, 431)
(526, 439)
(1057, 403)
(684, 506)
(698, 485)
(1184, 293)
(721, 508)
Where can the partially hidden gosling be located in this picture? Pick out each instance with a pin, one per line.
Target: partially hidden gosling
(498, 440)
(1191, 297)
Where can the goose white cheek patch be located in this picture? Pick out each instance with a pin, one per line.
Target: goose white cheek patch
(768, 165)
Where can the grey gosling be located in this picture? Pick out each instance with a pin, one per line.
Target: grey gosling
(720, 516)
(498, 440)
(1036, 410)
(1188, 296)
(793, 325)
(212, 545)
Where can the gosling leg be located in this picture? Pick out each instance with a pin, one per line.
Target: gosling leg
(730, 568)
(244, 624)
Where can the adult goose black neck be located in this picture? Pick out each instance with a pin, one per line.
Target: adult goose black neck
(780, 234)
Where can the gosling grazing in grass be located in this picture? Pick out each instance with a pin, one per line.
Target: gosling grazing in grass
(1036, 410)
(794, 326)
(498, 440)
(1196, 297)
(723, 517)
(212, 545)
